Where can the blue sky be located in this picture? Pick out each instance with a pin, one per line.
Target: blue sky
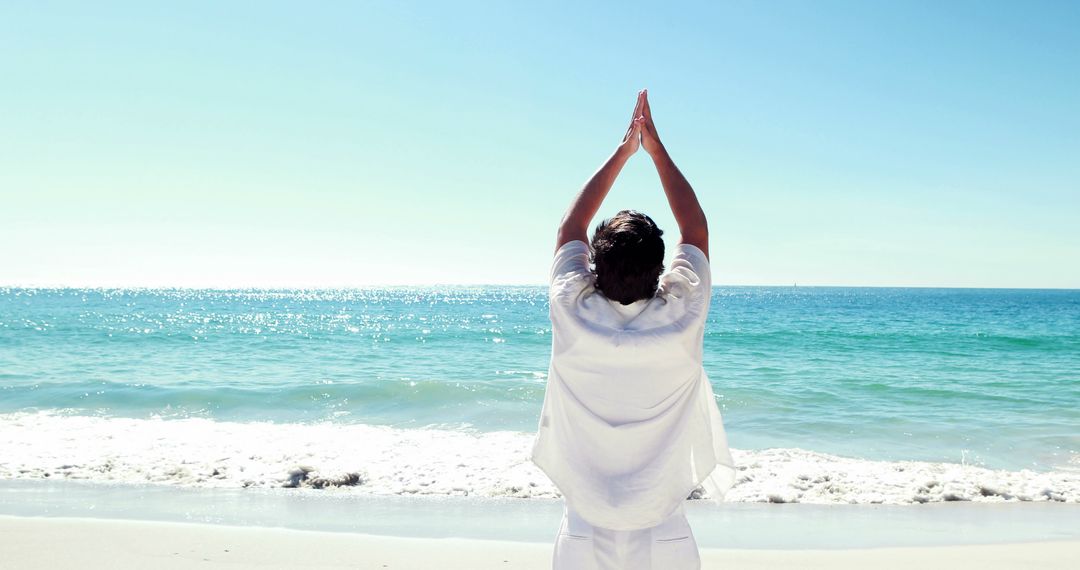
(831, 143)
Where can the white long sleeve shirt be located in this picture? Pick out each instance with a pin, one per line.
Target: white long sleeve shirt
(630, 425)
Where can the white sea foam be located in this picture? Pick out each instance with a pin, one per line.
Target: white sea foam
(381, 460)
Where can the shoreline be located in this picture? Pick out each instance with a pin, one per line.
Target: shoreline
(716, 525)
(92, 544)
(384, 460)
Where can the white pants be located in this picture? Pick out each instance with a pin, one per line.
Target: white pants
(667, 546)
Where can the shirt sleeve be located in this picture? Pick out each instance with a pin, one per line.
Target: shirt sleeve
(690, 275)
(570, 268)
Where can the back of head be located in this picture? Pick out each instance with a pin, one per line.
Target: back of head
(628, 253)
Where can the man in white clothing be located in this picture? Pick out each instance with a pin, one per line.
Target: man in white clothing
(630, 426)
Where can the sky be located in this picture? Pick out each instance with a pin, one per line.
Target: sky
(211, 144)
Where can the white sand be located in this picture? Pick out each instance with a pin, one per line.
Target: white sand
(91, 544)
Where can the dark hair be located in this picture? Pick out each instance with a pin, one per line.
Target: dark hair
(629, 256)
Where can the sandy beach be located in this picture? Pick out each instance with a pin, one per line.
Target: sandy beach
(32, 543)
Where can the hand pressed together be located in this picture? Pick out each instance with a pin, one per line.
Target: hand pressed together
(642, 130)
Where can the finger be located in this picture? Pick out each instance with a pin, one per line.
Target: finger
(645, 110)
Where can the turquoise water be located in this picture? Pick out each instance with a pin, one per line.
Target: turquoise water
(984, 377)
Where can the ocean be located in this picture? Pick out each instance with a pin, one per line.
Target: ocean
(829, 395)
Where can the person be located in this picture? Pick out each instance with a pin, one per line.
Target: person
(629, 426)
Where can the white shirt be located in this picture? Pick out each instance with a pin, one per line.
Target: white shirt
(630, 425)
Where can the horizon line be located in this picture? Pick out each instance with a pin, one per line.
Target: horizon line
(477, 285)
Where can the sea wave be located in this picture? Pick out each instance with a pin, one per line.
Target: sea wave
(357, 458)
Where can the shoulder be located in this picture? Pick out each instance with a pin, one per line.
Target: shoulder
(570, 269)
(686, 287)
(571, 256)
(690, 270)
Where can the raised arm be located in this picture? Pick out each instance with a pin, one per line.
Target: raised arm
(575, 223)
(693, 225)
